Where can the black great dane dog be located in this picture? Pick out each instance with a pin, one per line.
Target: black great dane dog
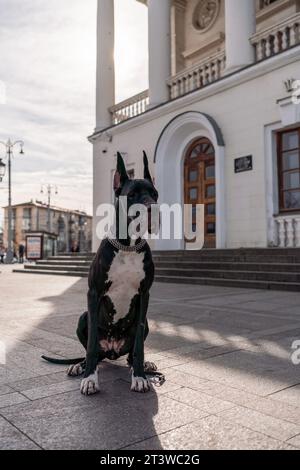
(120, 279)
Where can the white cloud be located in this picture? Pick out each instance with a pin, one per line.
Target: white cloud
(48, 59)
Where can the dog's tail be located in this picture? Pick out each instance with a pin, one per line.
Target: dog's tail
(66, 362)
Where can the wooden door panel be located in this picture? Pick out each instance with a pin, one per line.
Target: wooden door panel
(200, 185)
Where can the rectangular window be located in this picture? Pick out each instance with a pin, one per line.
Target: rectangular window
(193, 176)
(210, 191)
(26, 223)
(210, 172)
(193, 194)
(289, 170)
(211, 228)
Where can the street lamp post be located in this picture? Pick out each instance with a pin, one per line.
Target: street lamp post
(9, 146)
(49, 189)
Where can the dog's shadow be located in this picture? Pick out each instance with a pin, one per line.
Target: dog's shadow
(119, 418)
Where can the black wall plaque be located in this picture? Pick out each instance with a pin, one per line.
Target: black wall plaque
(243, 164)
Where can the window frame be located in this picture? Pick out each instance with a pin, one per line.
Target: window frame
(282, 172)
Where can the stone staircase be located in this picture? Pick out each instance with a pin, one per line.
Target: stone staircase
(266, 268)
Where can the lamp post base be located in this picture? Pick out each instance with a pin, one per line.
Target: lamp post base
(9, 257)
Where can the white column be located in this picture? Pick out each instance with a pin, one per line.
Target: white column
(240, 25)
(159, 21)
(105, 86)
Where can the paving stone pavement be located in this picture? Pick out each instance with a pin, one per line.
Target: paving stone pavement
(226, 354)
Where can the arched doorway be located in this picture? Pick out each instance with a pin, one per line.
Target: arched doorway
(200, 185)
(170, 153)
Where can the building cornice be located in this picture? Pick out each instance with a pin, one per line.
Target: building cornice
(225, 83)
(40, 205)
(177, 3)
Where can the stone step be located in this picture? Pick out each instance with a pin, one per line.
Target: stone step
(68, 263)
(51, 273)
(227, 259)
(231, 251)
(83, 269)
(292, 287)
(69, 258)
(199, 264)
(257, 268)
(230, 266)
(221, 274)
(76, 255)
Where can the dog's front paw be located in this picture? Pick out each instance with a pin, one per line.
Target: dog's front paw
(90, 385)
(150, 367)
(139, 384)
(75, 370)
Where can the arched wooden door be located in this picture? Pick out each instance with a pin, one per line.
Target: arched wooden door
(200, 185)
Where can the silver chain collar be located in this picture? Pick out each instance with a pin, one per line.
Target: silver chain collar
(116, 244)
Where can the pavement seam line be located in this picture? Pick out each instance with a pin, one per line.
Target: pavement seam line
(296, 435)
(22, 432)
(165, 432)
(251, 429)
(282, 390)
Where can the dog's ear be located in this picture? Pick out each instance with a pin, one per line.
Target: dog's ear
(147, 175)
(121, 176)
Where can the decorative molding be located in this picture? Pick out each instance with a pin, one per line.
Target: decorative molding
(289, 111)
(170, 150)
(289, 85)
(198, 115)
(205, 14)
(213, 41)
(227, 82)
(270, 10)
(106, 137)
(180, 4)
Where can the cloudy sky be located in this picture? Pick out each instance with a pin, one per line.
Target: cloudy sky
(47, 64)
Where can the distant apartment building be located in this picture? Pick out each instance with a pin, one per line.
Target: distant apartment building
(68, 229)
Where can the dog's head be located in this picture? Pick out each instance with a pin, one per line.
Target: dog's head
(137, 191)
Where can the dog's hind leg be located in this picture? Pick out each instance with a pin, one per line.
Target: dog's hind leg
(82, 334)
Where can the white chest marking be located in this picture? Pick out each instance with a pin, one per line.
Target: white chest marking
(126, 274)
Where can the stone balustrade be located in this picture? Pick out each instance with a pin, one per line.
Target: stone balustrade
(130, 108)
(277, 38)
(287, 231)
(267, 43)
(193, 78)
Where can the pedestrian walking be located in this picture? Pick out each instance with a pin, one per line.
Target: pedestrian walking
(21, 253)
(2, 254)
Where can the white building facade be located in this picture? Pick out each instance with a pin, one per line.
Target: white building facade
(220, 121)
